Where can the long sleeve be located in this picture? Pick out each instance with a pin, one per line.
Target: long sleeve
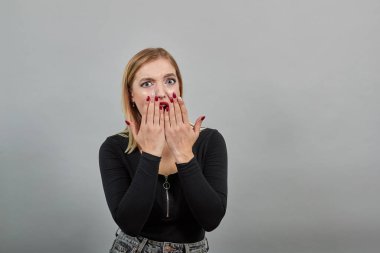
(129, 200)
(206, 193)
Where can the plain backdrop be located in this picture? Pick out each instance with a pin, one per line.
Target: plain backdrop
(293, 86)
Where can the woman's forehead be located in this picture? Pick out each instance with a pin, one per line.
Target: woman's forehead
(155, 69)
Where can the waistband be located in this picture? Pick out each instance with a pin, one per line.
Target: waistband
(140, 241)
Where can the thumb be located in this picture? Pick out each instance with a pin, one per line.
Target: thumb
(132, 127)
(198, 123)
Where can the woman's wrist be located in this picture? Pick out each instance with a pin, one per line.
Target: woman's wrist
(183, 158)
(152, 152)
(151, 157)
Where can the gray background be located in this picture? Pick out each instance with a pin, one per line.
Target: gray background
(292, 85)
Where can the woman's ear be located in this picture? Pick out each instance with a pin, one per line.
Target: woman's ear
(131, 94)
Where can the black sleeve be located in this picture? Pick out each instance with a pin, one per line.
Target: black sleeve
(206, 193)
(129, 200)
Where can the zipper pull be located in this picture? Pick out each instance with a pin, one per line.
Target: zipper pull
(166, 186)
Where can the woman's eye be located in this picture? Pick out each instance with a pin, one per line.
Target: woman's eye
(146, 84)
(171, 81)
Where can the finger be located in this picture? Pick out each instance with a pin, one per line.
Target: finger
(177, 110)
(172, 113)
(185, 116)
(197, 125)
(132, 128)
(144, 112)
(150, 112)
(162, 123)
(156, 111)
(166, 118)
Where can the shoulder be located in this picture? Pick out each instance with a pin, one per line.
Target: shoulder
(209, 132)
(210, 135)
(118, 140)
(210, 145)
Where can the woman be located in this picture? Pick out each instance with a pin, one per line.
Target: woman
(164, 179)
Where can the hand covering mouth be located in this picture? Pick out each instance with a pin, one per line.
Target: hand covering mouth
(164, 105)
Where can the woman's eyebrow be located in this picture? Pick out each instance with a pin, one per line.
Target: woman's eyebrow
(170, 74)
(146, 79)
(152, 79)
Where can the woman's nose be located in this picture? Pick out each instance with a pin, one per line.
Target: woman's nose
(160, 91)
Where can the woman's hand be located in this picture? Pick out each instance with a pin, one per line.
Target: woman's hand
(151, 135)
(180, 135)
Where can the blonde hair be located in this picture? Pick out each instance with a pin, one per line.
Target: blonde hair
(131, 112)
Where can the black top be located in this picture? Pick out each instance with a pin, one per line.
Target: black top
(191, 202)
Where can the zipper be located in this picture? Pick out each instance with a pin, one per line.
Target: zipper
(166, 186)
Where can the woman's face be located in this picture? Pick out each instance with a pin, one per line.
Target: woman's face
(156, 78)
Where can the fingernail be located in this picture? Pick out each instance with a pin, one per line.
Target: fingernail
(147, 98)
(179, 99)
(167, 108)
(156, 98)
(174, 95)
(160, 107)
(171, 100)
(203, 117)
(127, 122)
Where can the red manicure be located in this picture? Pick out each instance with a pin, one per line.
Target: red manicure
(156, 98)
(174, 95)
(171, 100)
(167, 108)
(203, 117)
(147, 98)
(160, 107)
(127, 122)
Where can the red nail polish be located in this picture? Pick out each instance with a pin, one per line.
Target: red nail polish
(147, 98)
(167, 108)
(156, 98)
(174, 95)
(203, 117)
(160, 107)
(171, 100)
(127, 122)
